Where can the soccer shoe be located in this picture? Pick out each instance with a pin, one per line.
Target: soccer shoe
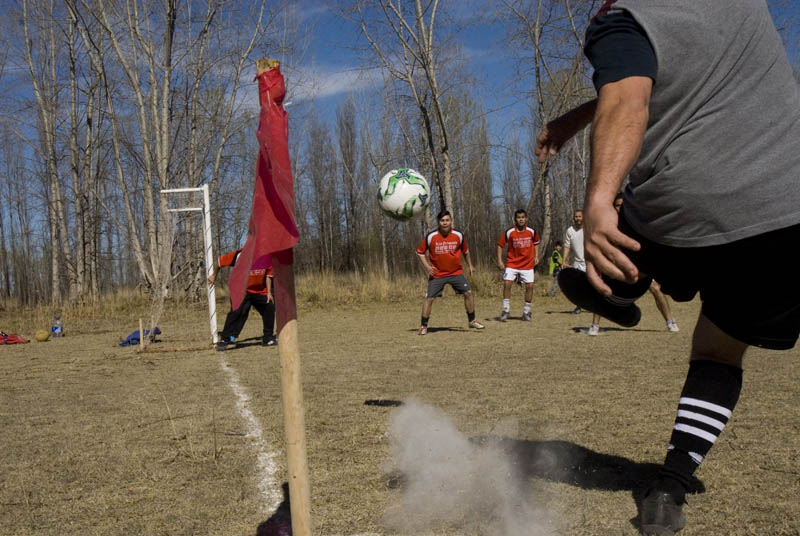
(269, 341)
(661, 514)
(526, 317)
(576, 311)
(503, 316)
(619, 307)
(222, 345)
(593, 330)
(423, 330)
(672, 326)
(475, 324)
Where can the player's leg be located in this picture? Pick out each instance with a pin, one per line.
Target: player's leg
(709, 395)
(554, 286)
(594, 327)
(427, 305)
(461, 286)
(663, 305)
(234, 323)
(508, 280)
(267, 311)
(526, 307)
(435, 288)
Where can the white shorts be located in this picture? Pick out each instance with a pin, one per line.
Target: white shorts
(525, 276)
(579, 265)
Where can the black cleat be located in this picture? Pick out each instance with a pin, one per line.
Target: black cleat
(662, 514)
(619, 307)
(222, 346)
(269, 341)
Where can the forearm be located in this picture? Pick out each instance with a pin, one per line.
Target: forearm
(578, 118)
(499, 255)
(468, 257)
(619, 125)
(424, 261)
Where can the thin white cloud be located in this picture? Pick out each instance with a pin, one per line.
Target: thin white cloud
(323, 82)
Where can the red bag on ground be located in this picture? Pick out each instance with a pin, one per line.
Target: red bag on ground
(12, 338)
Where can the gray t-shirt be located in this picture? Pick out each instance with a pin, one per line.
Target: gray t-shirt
(720, 160)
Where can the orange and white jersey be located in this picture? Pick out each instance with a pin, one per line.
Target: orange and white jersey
(444, 252)
(256, 280)
(521, 246)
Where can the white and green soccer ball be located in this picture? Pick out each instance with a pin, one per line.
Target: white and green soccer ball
(403, 194)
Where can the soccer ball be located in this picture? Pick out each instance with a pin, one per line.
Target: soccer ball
(403, 194)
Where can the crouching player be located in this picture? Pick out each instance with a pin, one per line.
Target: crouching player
(440, 254)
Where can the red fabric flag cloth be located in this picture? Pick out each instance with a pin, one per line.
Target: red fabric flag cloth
(272, 231)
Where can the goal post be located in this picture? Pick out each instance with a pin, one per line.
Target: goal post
(209, 254)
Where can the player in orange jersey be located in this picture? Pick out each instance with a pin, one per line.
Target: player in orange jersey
(440, 253)
(522, 257)
(259, 296)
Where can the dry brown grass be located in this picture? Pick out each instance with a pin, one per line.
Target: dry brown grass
(97, 439)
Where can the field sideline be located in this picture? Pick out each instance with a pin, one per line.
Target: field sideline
(98, 439)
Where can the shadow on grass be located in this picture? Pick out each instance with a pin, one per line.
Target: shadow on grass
(434, 330)
(568, 463)
(280, 522)
(250, 341)
(583, 329)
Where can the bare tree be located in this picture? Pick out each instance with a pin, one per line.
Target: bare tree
(546, 38)
(404, 45)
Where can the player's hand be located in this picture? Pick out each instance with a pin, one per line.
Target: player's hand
(270, 299)
(536, 262)
(501, 266)
(471, 269)
(211, 279)
(603, 243)
(552, 137)
(430, 271)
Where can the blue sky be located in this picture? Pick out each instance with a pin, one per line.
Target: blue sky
(336, 69)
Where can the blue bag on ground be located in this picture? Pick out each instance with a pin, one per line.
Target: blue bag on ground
(133, 338)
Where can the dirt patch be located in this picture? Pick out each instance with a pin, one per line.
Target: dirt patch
(97, 439)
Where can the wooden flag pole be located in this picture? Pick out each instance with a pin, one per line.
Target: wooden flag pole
(291, 383)
(293, 412)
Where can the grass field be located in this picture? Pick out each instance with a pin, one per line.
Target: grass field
(522, 428)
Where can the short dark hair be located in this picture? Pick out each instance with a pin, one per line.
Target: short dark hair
(442, 214)
(520, 211)
(558, 242)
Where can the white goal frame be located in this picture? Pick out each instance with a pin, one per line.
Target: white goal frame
(209, 257)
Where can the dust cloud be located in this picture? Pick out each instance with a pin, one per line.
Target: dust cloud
(448, 480)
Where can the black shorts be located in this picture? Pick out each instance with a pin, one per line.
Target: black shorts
(754, 307)
(436, 285)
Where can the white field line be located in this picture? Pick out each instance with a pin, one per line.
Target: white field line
(268, 483)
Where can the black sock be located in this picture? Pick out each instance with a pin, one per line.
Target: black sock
(709, 395)
(471, 316)
(425, 321)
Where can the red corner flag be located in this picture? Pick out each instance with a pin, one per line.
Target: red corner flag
(272, 231)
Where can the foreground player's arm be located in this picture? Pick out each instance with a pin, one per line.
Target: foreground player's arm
(500, 263)
(617, 132)
(560, 130)
(565, 256)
